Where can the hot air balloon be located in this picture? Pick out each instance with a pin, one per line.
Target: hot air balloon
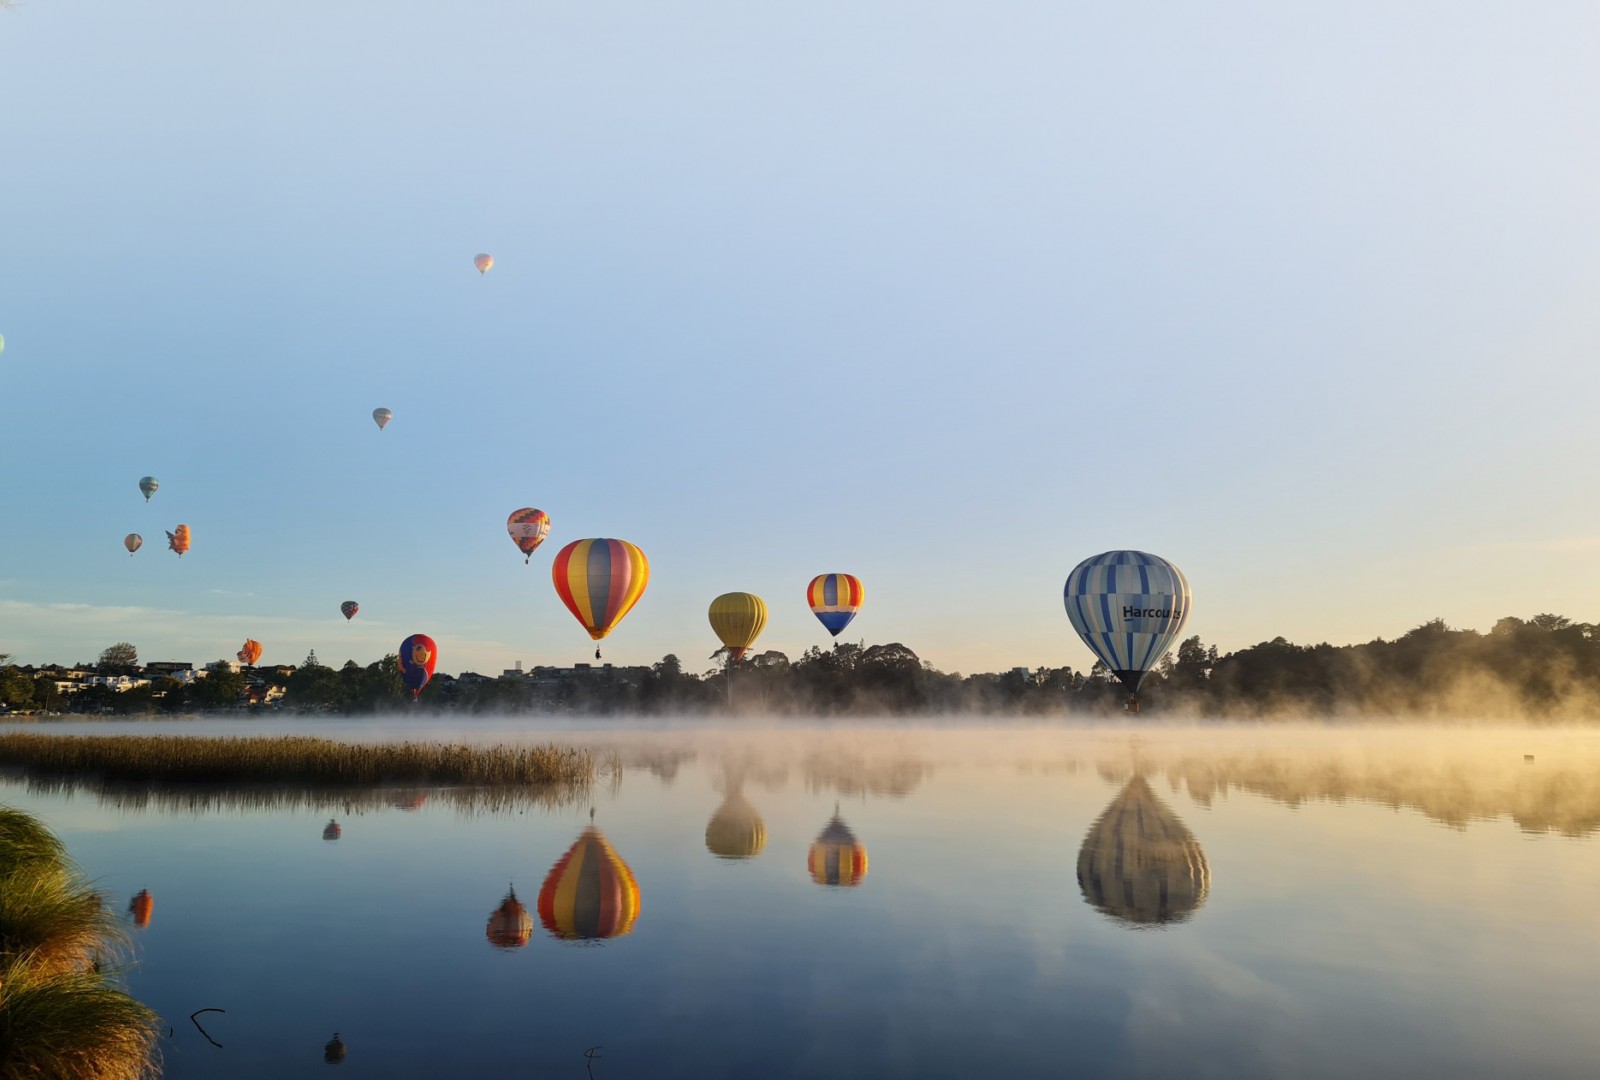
(418, 655)
(1129, 607)
(736, 830)
(590, 893)
(133, 542)
(178, 540)
(382, 417)
(332, 831)
(738, 618)
(836, 856)
(349, 609)
(483, 261)
(510, 925)
(600, 581)
(1140, 864)
(148, 485)
(333, 1052)
(249, 652)
(2, 343)
(528, 528)
(141, 907)
(835, 599)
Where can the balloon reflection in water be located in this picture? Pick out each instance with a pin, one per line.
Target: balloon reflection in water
(590, 892)
(141, 907)
(1140, 864)
(510, 925)
(333, 1053)
(837, 857)
(735, 831)
(331, 831)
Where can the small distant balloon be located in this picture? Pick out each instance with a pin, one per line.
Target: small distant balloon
(332, 831)
(382, 417)
(333, 1052)
(249, 652)
(148, 485)
(178, 540)
(133, 542)
(528, 528)
(2, 343)
(349, 609)
(418, 655)
(483, 261)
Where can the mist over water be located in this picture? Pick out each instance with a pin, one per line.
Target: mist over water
(734, 898)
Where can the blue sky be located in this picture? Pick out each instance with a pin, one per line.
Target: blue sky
(949, 296)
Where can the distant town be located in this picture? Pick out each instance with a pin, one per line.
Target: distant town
(1543, 668)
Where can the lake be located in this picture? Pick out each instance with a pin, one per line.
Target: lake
(876, 900)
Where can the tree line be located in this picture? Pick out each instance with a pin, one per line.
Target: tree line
(1544, 667)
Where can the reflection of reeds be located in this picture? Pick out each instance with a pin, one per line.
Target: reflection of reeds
(59, 1013)
(214, 798)
(295, 759)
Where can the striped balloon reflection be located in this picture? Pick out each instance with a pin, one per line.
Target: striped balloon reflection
(589, 893)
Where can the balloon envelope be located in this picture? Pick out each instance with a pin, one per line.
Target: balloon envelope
(418, 655)
(250, 651)
(349, 609)
(835, 599)
(483, 261)
(735, 831)
(133, 542)
(737, 619)
(528, 528)
(1140, 864)
(590, 892)
(332, 831)
(178, 540)
(836, 856)
(600, 580)
(148, 485)
(381, 417)
(1129, 607)
(142, 906)
(510, 925)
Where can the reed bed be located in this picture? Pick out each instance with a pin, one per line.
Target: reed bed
(294, 759)
(61, 1015)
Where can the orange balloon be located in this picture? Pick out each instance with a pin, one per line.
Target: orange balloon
(483, 262)
(178, 540)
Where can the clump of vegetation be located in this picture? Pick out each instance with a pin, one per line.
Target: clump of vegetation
(295, 759)
(61, 1016)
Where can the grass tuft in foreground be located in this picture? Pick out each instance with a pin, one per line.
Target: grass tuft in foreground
(294, 759)
(61, 1016)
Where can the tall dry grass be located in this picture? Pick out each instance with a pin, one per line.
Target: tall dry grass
(295, 759)
(61, 1015)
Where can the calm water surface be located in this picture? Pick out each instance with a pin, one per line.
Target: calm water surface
(872, 901)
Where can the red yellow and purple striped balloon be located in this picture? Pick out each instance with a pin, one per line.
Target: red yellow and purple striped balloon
(590, 893)
(837, 857)
(835, 599)
(600, 580)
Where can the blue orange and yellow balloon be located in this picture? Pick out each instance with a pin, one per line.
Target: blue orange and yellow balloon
(590, 893)
(483, 261)
(381, 417)
(835, 599)
(836, 856)
(178, 540)
(1129, 607)
(348, 609)
(737, 618)
(133, 542)
(418, 655)
(148, 485)
(600, 580)
(528, 528)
